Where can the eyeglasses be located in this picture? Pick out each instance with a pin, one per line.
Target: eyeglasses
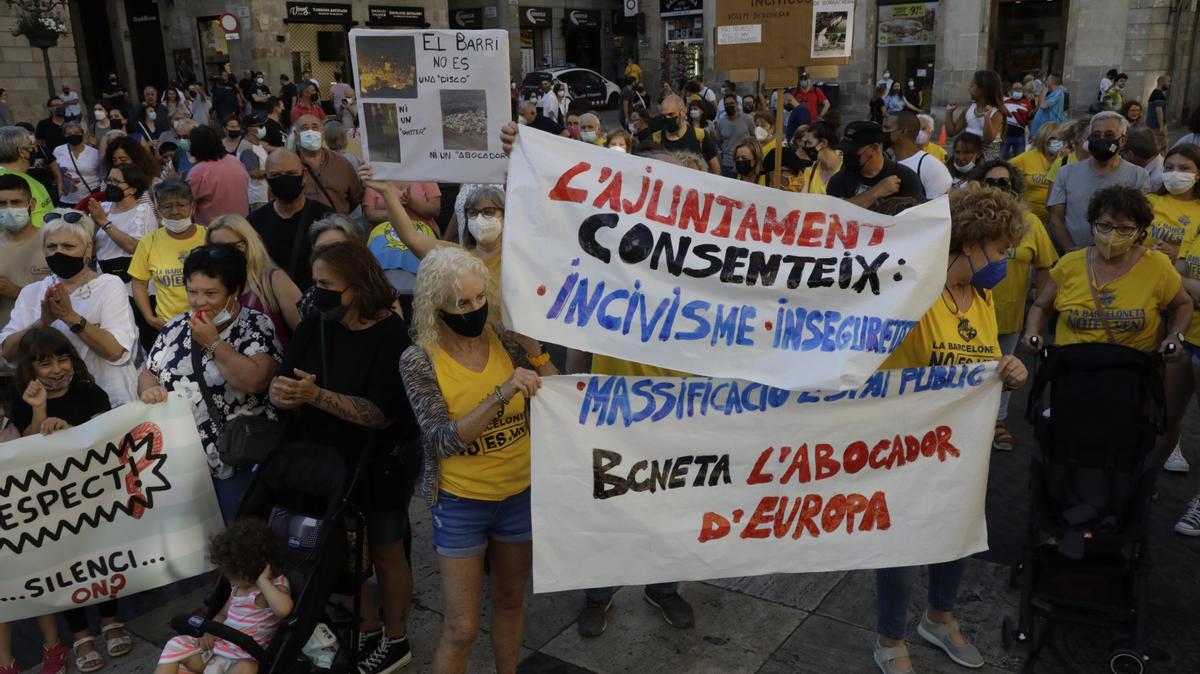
(71, 217)
(1002, 183)
(1122, 230)
(488, 212)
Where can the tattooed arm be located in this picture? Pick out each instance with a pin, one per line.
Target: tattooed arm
(351, 408)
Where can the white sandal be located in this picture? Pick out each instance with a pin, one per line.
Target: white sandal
(116, 646)
(87, 662)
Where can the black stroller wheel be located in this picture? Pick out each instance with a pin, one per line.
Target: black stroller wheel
(1126, 662)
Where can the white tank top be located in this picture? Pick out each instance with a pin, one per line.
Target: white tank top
(974, 121)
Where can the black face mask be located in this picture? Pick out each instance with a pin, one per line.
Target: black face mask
(851, 162)
(74, 139)
(114, 194)
(743, 166)
(788, 107)
(314, 98)
(60, 112)
(748, 108)
(64, 266)
(812, 152)
(235, 133)
(1103, 149)
(731, 110)
(329, 303)
(673, 123)
(469, 324)
(286, 187)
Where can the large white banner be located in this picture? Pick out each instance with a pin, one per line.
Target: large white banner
(655, 263)
(431, 103)
(121, 504)
(652, 480)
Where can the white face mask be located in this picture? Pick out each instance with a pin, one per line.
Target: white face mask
(1054, 146)
(964, 168)
(761, 134)
(485, 230)
(222, 319)
(261, 132)
(176, 226)
(618, 148)
(695, 114)
(1016, 95)
(100, 115)
(521, 120)
(258, 80)
(14, 219)
(922, 137)
(310, 140)
(633, 129)
(587, 136)
(1178, 182)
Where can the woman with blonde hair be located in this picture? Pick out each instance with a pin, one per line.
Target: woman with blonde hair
(268, 288)
(1034, 165)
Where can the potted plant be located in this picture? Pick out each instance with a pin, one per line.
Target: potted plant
(39, 21)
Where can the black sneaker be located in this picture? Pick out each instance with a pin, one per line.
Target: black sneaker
(675, 609)
(593, 619)
(367, 641)
(388, 656)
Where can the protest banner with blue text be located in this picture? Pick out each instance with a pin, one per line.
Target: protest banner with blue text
(431, 103)
(695, 478)
(121, 504)
(655, 263)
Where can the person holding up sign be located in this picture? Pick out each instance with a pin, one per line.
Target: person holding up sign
(469, 382)
(959, 328)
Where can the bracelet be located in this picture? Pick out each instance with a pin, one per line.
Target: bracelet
(211, 349)
(538, 360)
(501, 398)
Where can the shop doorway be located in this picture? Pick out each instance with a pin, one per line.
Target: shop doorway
(214, 49)
(1029, 38)
(906, 48)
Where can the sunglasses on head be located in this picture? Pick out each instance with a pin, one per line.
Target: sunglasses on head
(70, 216)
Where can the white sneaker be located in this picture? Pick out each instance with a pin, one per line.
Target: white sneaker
(1176, 463)
(1189, 524)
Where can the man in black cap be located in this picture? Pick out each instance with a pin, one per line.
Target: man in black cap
(867, 174)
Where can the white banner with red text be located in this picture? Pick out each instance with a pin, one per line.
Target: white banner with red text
(696, 478)
(655, 263)
(119, 505)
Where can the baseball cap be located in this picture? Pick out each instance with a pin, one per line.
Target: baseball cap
(859, 135)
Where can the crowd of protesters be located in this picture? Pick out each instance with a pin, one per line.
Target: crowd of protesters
(205, 236)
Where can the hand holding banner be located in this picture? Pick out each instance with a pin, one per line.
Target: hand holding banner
(121, 504)
(660, 264)
(697, 478)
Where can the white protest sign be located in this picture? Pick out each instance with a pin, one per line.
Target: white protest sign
(431, 103)
(655, 263)
(121, 504)
(651, 480)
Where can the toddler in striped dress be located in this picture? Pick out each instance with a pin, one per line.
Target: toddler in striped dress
(247, 553)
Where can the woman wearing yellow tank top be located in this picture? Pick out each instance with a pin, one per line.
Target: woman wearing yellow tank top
(960, 327)
(468, 382)
(820, 140)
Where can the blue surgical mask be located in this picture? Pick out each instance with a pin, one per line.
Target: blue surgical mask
(1055, 146)
(223, 318)
(310, 140)
(990, 275)
(587, 136)
(185, 144)
(14, 219)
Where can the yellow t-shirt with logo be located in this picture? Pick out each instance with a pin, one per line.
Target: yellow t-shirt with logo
(1173, 219)
(945, 336)
(1034, 168)
(1189, 252)
(813, 176)
(496, 465)
(607, 365)
(159, 257)
(1133, 302)
(1035, 250)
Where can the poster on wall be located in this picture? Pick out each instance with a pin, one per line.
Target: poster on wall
(832, 28)
(432, 103)
(908, 25)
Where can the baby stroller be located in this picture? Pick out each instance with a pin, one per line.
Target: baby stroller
(302, 492)
(1085, 559)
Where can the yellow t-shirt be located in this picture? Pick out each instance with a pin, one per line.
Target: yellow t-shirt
(495, 313)
(1189, 252)
(936, 151)
(1174, 218)
(1034, 167)
(1034, 250)
(813, 176)
(1057, 164)
(496, 465)
(159, 257)
(608, 365)
(945, 336)
(1133, 302)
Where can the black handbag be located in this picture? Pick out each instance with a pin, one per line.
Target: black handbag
(243, 441)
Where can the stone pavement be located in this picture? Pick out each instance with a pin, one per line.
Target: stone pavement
(784, 623)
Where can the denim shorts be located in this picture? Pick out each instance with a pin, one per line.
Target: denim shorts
(462, 526)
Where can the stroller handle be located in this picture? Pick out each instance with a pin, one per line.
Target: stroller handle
(197, 626)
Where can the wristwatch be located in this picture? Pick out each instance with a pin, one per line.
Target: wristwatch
(80, 326)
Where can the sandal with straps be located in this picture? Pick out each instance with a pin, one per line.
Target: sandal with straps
(87, 662)
(884, 655)
(118, 645)
(1003, 440)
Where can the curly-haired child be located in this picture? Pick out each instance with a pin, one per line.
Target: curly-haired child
(249, 554)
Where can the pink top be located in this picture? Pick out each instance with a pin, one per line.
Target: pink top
(220, 187)
(422, 191)
(249, 619)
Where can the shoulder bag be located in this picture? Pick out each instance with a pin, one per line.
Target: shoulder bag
(243, 441)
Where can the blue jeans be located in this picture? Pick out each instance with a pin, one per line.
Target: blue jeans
(893, 587)
(1013, 146)
(605, 593)
(230, 491)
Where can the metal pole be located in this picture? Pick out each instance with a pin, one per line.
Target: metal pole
(778, 170)
(49, 75)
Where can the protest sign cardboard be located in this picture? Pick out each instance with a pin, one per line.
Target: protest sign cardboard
(756, 34)
(431, 103)
(647, 480)
(656, 263)
(121, 504)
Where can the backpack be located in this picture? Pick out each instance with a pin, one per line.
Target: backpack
(657, 136)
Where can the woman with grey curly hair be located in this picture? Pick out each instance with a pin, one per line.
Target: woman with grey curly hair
(468, 381)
